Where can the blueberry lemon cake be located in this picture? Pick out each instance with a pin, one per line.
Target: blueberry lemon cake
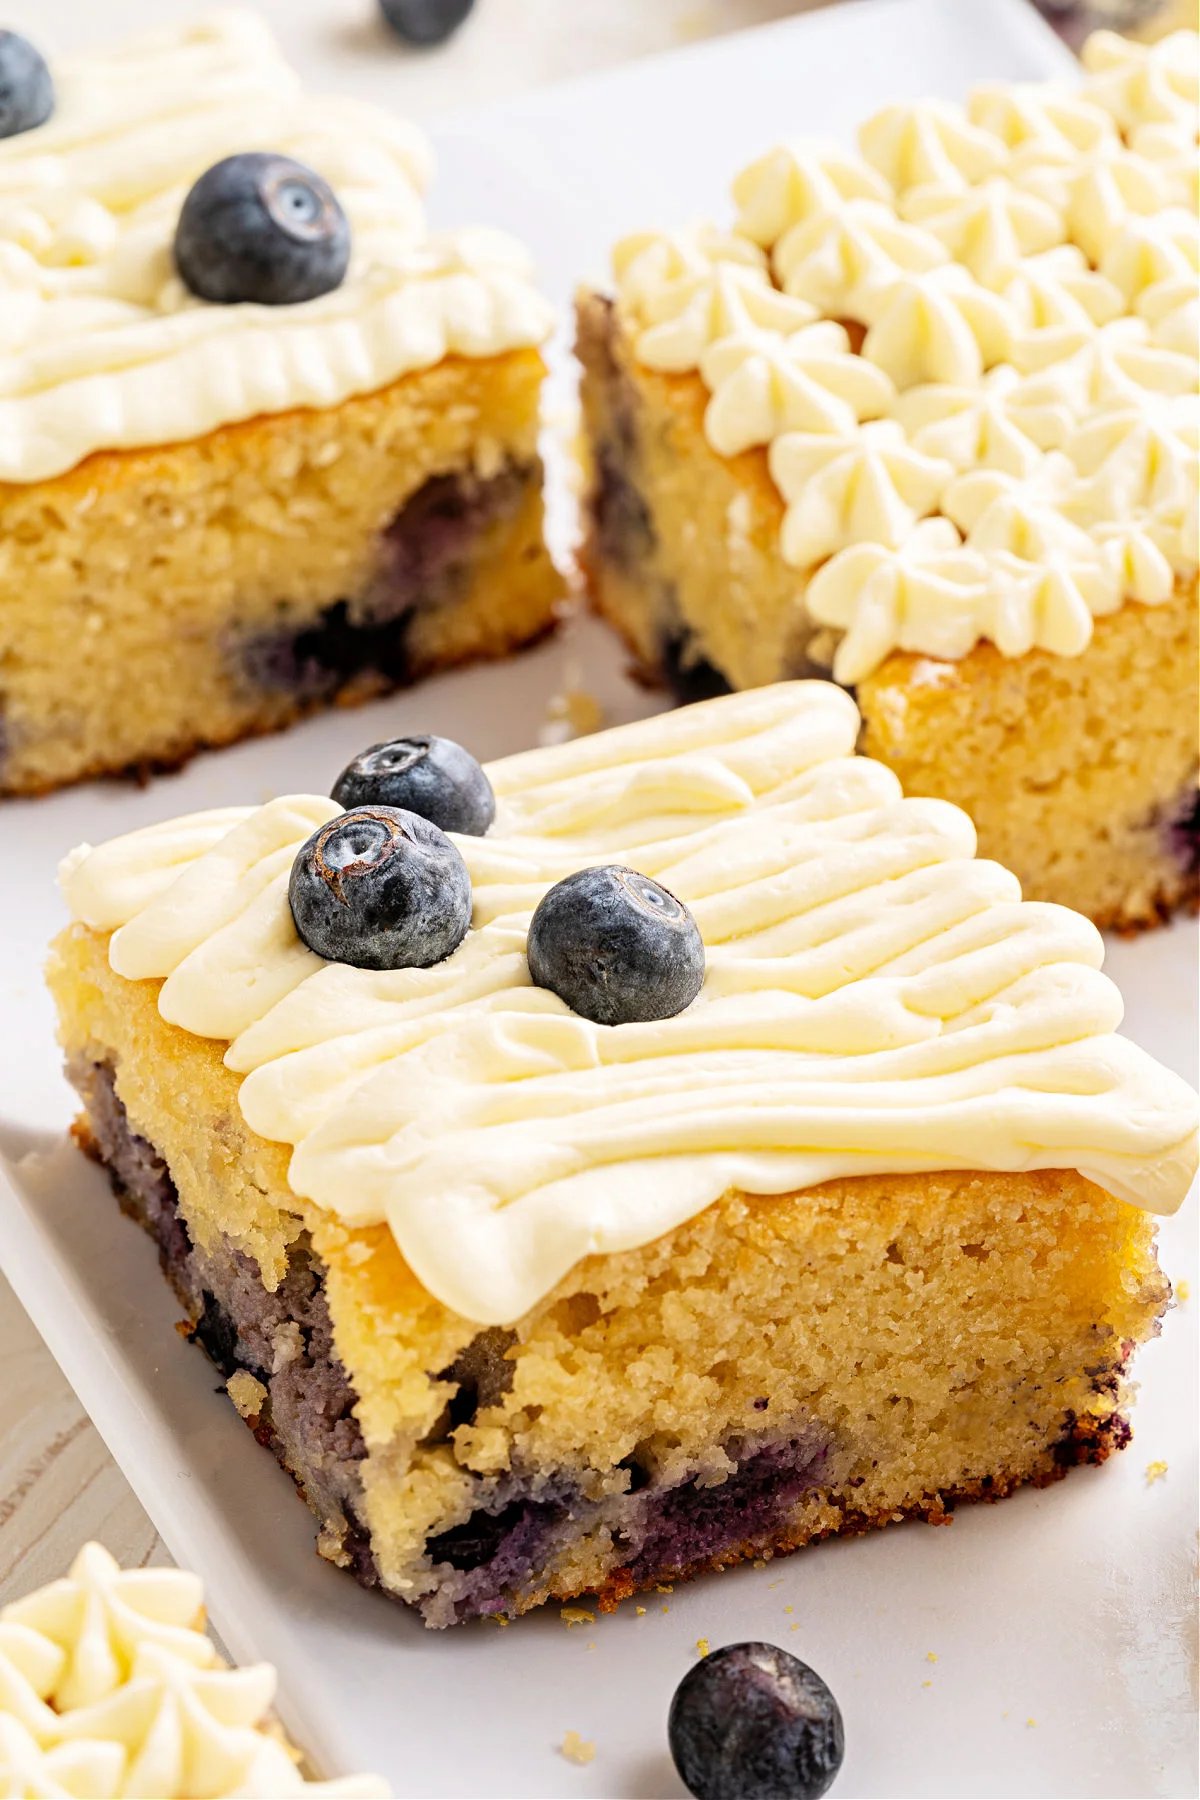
(265, 443)
(926, 415)
(707, 1155)
(109, 1685)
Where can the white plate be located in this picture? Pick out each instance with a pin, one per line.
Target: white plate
(1071, 1607)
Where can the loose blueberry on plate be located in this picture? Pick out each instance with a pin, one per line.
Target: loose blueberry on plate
(381, 889)
(616, 946)
(26, 86)
(751, 1722)
(263, 228)
(425, 21)
(432, 776)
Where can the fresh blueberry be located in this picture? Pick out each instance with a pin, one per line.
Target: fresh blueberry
(261, 227)
(616, 947)
(26, 87)
(432, 776)
(381, 889)
(425, 21)
(750, 1722)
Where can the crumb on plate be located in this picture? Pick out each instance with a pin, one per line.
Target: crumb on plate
(577, 1749)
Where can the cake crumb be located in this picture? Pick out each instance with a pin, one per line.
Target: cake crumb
(1183, 1292)
(573, 713)
(575, 1615)
(793, 1628)
(1155, 1471)
(641, 1612)
(927, 1684)
(357, 1253)
(931, 1656)
(760, 1562)
(789, 1609)
(778, 1582)
(666, 1608)
(248, 1394)
(577, 1749)
(702, 1646)
(1031, 1721)
(498, 1618)
(664, 1587)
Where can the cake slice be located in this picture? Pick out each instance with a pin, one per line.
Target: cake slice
(925, 418)
(218, 516)
(532, 1306)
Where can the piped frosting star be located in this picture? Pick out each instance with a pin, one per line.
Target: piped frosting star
(798, 179)
(762, 386)
(871, 486)
(929, 141)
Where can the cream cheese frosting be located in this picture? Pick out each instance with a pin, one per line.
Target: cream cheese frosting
(875, 1001)
(109, 1686)
(101, 345)
(1021, 275)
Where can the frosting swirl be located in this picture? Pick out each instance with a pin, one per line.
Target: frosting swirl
(110, 1686)
(1025, 272)
(875, 1001)
(102, 347)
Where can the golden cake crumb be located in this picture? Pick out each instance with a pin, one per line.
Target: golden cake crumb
(1155, 1471)
(787, 1609)
(641, 1612)
(927, 1684)
(664, 1587)
(246, 1393)
(575, 1615)
(577, 1749)
(702, 1646)
(931, 1656)
(1031, 1721)
(1183, 1292)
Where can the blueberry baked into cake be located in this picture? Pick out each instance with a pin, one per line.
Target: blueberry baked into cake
(265, 443)
(664, 1148)
(925, 417)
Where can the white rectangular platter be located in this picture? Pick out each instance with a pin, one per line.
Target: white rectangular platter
(1061, 1622)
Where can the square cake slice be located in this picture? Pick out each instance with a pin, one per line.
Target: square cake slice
(533, 1307)
(215, 517)
(926, 417)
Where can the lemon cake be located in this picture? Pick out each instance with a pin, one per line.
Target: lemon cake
(266, 444)
(853, 1223)
(110, 1685)
(925, 417)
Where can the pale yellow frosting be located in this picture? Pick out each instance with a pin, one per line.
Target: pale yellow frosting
(875, 1000)
(109, 1686)
(101, 345)
(1024, 271)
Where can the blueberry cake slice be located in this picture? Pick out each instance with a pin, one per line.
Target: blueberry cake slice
(753, 1165)
(925, 417)
(265, 443)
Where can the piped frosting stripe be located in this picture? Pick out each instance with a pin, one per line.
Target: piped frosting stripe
(876, 1001)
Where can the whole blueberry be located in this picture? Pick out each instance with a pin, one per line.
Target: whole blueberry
(432, 776)
(616, 947)
(261, 227)
(425, 21)
(751, 1722)
(381, 889)
(26, 86)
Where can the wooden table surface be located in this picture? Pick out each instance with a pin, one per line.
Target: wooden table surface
(58, 1484)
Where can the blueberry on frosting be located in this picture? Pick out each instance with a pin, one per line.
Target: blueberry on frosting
(263, 228)
(750, 1722)
(616, 946)
(432, 776)
(381, 889)
(26, 86)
